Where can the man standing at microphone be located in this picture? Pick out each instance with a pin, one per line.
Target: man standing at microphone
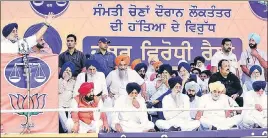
(10, 43)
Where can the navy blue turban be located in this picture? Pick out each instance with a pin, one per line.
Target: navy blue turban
(140, 66)
(257, 85)
(94, 63)
(255, 67)
(173, 81)
(51, 36)
(8, 29)
(185, 65)
(133, 86)
(166, 67)
(65, 66)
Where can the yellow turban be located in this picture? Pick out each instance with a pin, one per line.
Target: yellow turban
(216, 86)
(135, 62)
(120, 58)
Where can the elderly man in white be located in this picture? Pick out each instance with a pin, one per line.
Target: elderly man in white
(118, 79)
(131, 121)
(258, 99)
(215, 120)
(92, 75)
(176, 120)
(191, 89)
(11, 42)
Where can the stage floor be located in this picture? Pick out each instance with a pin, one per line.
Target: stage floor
(219, 133)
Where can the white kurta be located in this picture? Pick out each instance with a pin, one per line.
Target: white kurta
(118, 86)
(254, 117)
(131, 121)
(65, 92)
(194, 104)
(8, 47)
(252, 61)
(216, 118)
(177, 119)
(98, 80)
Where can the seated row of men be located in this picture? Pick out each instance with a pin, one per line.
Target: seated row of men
(181, 120)
(152, 91)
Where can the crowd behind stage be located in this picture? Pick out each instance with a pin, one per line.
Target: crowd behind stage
(104, 80)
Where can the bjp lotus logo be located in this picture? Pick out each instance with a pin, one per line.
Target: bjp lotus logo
(19, 101)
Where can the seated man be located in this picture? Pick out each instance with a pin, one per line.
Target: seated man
(176, 120)
(191, 89)
(157, 88)
(255, 98)
(215, 120)
(131, 121)
(85, 121)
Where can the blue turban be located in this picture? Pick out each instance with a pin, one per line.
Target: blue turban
(257, 85)
(8, 29)
(94, 63)
(51, 36)
(257, 67)
(173, 81)
(65, 66)
(166, 67)
(140, 66)
(254, 36)
(185, 65)
(133, 86)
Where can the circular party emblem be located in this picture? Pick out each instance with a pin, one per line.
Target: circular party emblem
(259, 8)
(16, 75)
(42, 8)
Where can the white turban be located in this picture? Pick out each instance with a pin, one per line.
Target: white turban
(192, 85)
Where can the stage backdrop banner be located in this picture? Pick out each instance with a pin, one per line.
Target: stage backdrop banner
(43, 93)
(192, 21)
(169, 49)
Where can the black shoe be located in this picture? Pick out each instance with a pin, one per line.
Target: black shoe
(213, 128)
(173, 129)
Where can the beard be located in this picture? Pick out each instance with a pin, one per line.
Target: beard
(91, 76)
(177, 98)
(123, 74)
(142, 76)
(191, 96)
(252, 46)
(39, 46)
(215, 98)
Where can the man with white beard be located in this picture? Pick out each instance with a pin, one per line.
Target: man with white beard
(255, 73)
(176, 120)
(92, 75)
(215, 120)
(255, 98)
(191, 89)
(151, 60)
(118, 79)
(131, 121)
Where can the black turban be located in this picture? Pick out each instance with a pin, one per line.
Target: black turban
(8, 29)
(166, 67)
(140, 66)
(133, 86)
(173, 81)
(257, 85)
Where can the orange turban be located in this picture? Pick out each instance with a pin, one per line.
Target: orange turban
(120, 58)
(135, 62)
(157, 64)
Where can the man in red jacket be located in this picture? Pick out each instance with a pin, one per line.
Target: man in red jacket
(85, 121)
